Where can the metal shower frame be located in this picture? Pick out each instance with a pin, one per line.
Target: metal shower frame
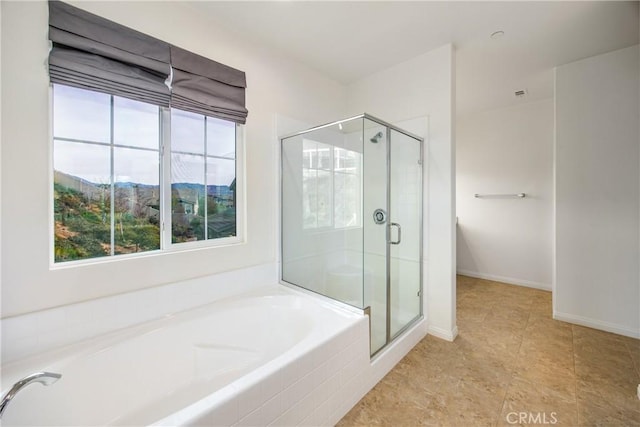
(366, 310)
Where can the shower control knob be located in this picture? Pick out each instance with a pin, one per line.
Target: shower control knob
(379, 216)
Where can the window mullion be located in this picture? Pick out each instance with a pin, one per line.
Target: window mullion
(206, 189)
(165, 178)
(112, 175)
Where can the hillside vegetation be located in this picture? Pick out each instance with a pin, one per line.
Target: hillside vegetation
(82, 226)
(82, 217)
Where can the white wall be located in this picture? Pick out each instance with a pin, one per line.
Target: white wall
(597, 185)
(506, 151)
(418, 95)
(275, 85)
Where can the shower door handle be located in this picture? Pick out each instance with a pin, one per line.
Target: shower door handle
(397, 242)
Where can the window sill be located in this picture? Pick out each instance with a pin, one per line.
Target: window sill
(173, 249)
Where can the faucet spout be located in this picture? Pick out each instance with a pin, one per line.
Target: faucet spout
(44, 378)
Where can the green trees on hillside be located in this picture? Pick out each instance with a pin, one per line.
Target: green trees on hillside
(83, 227)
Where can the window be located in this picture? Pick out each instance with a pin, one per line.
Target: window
(331, 186)
(203, 177)
(111, 196)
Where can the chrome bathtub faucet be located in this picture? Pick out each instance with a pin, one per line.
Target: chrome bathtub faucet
(44, 378)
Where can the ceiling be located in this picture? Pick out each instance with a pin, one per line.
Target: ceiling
(349, 40)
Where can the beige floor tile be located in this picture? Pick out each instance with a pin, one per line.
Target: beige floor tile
(510, 359)
(594, 410)
(542, 312)
(471, 401)
(617, 371)
(489, 349)
(536, 400)
(554, 354)
(624, 398)
(634, 350)
(512, 303)
(507, 318)
(360, 416)
(588, 335)
(553, 376)
(547, 325)
(610, 348)
(485, 372)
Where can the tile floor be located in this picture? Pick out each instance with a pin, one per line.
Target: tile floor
(511, 364)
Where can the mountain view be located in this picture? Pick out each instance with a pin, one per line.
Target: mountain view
(82, 216)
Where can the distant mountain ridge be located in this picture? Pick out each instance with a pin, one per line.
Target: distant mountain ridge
(146, 191)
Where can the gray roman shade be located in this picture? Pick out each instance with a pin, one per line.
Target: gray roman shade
(203, 86)
(91, 52)
(94, 53)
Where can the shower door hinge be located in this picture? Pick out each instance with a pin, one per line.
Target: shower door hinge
(419, 293)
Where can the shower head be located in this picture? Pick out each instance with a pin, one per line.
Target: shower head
(376, 138)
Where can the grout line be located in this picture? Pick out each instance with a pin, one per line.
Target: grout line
(575, 373)
(516, 363)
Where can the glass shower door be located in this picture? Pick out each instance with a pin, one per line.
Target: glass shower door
(375, 222)
(405, 229)
(392, 206)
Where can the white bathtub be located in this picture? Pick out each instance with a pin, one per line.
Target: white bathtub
(216, 364)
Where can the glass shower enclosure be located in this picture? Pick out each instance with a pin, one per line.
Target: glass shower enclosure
(351, 194)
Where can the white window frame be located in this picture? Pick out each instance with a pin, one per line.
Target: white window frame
(166, 244)
(165, 194)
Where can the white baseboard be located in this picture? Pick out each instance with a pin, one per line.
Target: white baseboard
(509, 280)
(447, 335)
(596, 324)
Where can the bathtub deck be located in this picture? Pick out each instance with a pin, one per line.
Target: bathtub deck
(289, 358)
